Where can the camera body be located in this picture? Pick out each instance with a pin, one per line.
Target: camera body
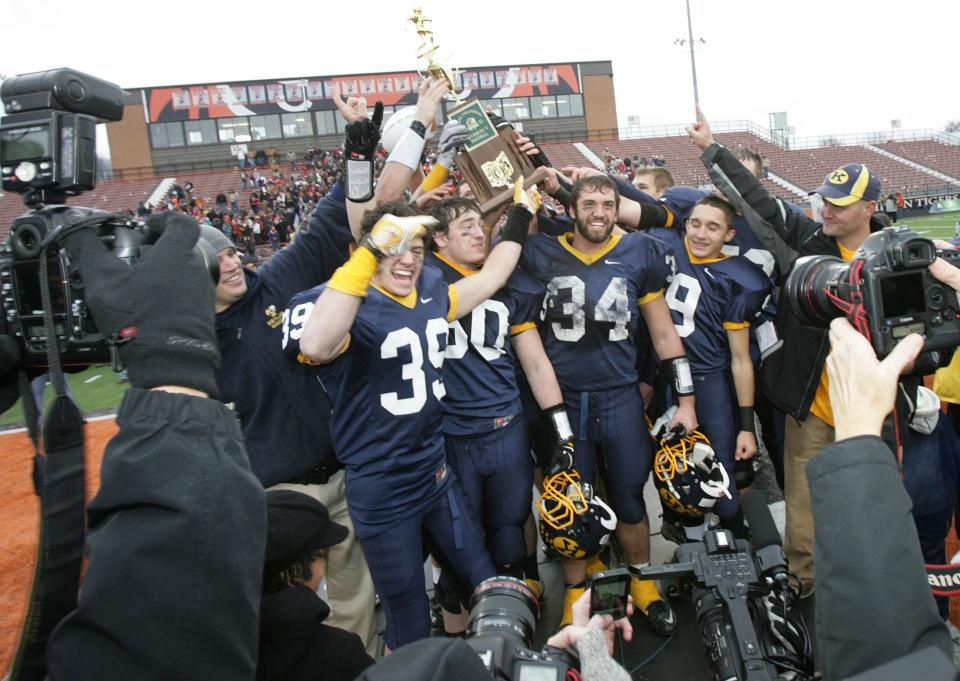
(886, 291)
(80, 341)
(503, 618)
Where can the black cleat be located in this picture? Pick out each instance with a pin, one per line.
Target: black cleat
(661, 618)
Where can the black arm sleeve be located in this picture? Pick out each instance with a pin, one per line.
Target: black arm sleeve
(175, 542)
(776, 221)
(654, 215)
(873, 602)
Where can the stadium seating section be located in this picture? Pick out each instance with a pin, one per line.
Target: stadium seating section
(803, 168)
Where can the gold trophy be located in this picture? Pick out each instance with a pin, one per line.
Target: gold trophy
(491, 160)
(428, 50)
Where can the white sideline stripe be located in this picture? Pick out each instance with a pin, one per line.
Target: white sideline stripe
(89, 418)
(96, 377)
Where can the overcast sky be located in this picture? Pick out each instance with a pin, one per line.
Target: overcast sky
(834, 66)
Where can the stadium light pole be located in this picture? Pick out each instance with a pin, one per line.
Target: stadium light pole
(693, 60)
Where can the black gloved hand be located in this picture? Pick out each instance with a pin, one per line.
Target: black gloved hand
(362, 137)
(539, 159)
(160, 310)
(561, 458)
(499, 122)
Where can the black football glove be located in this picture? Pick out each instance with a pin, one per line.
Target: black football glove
(562, 458)
(362, 137)
(160, 311)
(499, 122)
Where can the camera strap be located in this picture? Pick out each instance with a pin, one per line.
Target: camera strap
(59, 482)
(856, 314)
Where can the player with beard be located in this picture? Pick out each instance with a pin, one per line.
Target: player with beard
(597, 283)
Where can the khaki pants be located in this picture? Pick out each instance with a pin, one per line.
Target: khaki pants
(802, 442)
(349, 586)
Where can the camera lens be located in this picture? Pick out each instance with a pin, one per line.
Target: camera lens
(812, 277)
(936, 297)
(504, 605)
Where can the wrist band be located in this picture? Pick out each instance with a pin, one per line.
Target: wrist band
(560, 421)
(563, 196)
(436, 177)
(515, 228)
(358, 180)
(747, 422)
(408, 150)
(353, 277)
(419, 128)
(677, 372)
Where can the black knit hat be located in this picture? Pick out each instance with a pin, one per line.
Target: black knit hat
(215, 238)
(296, 523)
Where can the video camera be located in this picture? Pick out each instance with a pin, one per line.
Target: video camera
(503, 618)
(48, 152)
(743, 601)
(886, 291)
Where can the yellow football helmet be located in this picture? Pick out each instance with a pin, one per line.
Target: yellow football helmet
(574, 522)
(688, 474)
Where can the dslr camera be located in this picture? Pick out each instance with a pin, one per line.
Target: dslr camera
(47, 153)
(885, 291)
(500, 628)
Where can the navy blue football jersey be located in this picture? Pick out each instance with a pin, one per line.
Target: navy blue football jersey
(480, 366)
(591, 307)
(680, 200)
(386, 391)
(707, 296)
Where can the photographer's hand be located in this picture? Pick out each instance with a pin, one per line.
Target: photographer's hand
(862, 389)
(567, 637)
(160, 310)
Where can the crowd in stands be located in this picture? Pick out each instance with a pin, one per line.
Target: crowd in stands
(269, 200)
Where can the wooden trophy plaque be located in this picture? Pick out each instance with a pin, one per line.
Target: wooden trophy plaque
(491, 160)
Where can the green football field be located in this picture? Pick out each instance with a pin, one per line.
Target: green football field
(933, 226)
(95, 389)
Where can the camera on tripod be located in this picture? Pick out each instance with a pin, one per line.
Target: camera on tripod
(885, 291)
(47, 153)
(503, 618)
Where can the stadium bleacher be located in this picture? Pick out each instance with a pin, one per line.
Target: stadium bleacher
(117, 196)
(944, 158)
(683, 157)
(112, 196)
(803, 168)
(564, 154)
(806, 168)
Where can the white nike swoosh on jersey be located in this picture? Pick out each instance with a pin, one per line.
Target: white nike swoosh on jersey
(611, 262)
(425, 300)
(707, 271)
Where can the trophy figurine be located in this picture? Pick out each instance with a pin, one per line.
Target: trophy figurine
(491, 160)
(428, 50)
